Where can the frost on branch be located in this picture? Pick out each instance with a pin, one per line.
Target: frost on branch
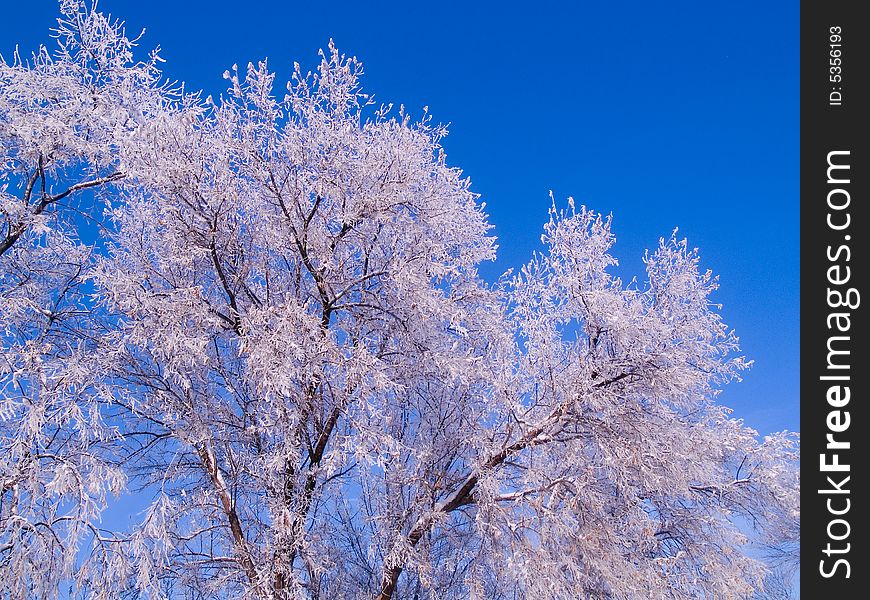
(277, 338)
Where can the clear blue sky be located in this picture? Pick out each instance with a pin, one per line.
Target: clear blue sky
(665, 114)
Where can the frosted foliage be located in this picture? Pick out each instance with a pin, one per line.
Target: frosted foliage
(260, 317)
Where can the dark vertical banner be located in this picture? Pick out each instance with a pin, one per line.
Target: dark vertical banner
(835, 369)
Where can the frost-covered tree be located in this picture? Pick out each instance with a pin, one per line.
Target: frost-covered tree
(277, 334)
(66, 121)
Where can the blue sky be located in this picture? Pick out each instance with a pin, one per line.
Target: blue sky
(678, 114)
